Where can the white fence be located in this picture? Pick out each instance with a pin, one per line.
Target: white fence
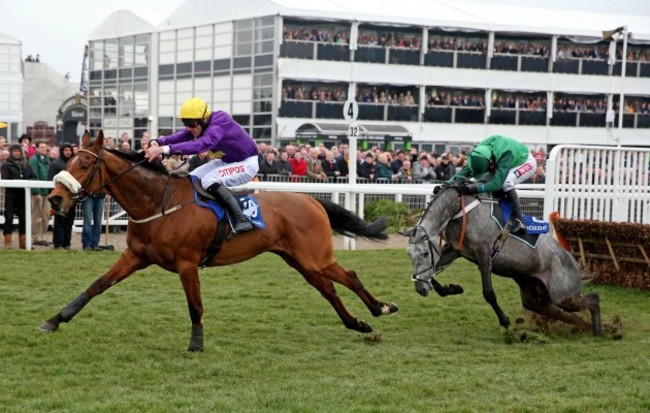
(602, 183)
(353, 197)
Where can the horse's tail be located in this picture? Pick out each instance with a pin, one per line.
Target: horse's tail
(347, 223)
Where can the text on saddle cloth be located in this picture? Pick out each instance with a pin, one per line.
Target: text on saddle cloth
(249, 205)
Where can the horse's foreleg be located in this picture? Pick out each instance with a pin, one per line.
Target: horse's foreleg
(349, 279)
(189, 275)
(126, 265)
(485, 266)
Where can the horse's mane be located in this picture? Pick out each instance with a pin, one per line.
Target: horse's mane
(136, 157)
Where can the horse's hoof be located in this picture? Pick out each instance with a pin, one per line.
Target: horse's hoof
(363, 327)
(389, 308)
(455, 289)
(193, 349)
(48, 327)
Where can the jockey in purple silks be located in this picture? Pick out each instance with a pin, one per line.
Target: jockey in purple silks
(217, 132)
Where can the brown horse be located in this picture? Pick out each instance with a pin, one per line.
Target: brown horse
(168, 229)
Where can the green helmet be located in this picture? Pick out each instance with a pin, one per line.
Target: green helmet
(479, 159)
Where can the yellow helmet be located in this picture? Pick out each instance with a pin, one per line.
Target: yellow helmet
(195, 108)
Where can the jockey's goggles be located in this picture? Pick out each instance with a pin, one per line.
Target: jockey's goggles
(191, 123)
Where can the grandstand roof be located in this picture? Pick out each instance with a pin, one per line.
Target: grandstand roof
(6, 39)
(464, 14)
(121, 23)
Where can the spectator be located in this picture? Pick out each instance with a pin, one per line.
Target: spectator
(397, 163)
(125, 138)
(109, 143)
(198, 160)
(368, 169)
(40, 165)
(331, 166)
(343, 160)
(284, 164)
(75, 149)
(125, 146)
(53, 153)
(26, 141)
(144, 142)
(16, 167)
(62, 228)
(383, 167)
(423, 170)
(315, 166)
(445, 170)
(269, 166)
(93, 210)
(538, 177)
(298, 165)
(405, 173)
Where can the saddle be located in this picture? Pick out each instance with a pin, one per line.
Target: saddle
(501, 209)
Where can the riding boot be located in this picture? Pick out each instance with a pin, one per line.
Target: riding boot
(518, 226)
(22, 241)
(8, 244)
(228, 201)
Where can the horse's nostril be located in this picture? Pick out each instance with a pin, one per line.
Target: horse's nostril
(55, 200)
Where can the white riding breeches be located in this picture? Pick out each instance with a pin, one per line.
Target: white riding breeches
(228, 174)
(520, 173)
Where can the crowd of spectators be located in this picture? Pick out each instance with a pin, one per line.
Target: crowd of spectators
(385, 94)
(320, 92)
(580, 104)
(310, 34)
(464, 44)
(519, 101)
(522, 47)
(319, 164)
(383, 38)
(445, 97)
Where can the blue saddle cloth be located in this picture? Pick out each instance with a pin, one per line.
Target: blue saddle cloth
(248, 204)
(501, 212)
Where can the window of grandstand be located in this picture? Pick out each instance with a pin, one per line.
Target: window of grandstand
(526, 54)
(579, 110)
(636, 113)
(387, 102)
(313, 99)
(456, 49)
(304, 39)
(379, 44)
(518, 108)
(582, 58)
(447, 105)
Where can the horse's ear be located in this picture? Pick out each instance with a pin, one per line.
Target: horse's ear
(85, 140)
(407, 232)
(99, 142)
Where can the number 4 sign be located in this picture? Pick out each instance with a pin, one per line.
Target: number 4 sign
(350, 110)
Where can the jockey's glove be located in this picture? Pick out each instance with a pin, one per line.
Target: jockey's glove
(464, 189)
(440, 188)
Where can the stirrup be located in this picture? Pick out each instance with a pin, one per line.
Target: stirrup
(242, 226)
(517, 227)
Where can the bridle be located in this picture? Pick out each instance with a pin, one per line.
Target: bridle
(433, 249)
(83, 193)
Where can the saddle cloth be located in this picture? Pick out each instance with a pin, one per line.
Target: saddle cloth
(248, 204)
(501, 212)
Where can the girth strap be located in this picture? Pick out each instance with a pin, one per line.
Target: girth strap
(217, 242)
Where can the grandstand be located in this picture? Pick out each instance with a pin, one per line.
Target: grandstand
(432, 73)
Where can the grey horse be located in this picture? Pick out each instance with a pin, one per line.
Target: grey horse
(548, 277)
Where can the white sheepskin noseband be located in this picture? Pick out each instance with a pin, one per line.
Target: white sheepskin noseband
(69, 181)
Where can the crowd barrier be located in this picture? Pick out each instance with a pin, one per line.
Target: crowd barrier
(353, 197)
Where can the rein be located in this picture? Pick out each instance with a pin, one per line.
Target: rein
(83, 193)
(433, 248)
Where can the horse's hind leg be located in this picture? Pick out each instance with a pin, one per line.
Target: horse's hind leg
(126, 265)
(590, 302)
(328, 291)
(535, 297)
(349, 279)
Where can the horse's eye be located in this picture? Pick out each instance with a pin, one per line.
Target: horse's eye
(426, 254)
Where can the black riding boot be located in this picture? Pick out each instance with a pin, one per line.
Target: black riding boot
(518, 227)
(227, 200)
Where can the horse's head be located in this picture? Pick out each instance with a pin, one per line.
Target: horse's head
(424, 254)
(82, 176)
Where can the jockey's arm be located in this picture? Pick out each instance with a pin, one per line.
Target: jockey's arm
(504, 164)
(180, 136)
(206, 142)
(461, 175)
